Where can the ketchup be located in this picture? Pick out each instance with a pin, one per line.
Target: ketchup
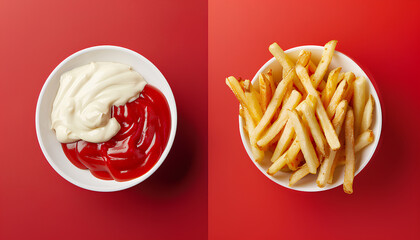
(135, 149)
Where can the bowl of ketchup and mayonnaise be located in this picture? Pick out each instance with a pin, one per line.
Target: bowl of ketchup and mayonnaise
(106, 118)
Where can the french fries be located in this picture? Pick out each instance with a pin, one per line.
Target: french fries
(272, 106)
(335, 164)
(269, 76)
(252, 97)
(367, 115)
(336, 98)
(293, 163)
(325, 62)
(311, 67)
(326, 125)
(290, 158)
(286, 97)
(308, 110)
(240, 95)
(321, 85)
(289, 117)
(278, 164)
(275, 128)
(299, 174)
(286, 63)
(284, 141)
(304, 142)
(326, 166)
(333, 80)
(349, 77)
(250, 126)
(350, 159)
(339, 116)
(363, 140)
(265, 91)
(361, 94)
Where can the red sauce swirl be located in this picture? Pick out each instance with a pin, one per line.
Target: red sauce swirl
(145, 127)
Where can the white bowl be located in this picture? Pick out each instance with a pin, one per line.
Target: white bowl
(46, 137)
(308, 183)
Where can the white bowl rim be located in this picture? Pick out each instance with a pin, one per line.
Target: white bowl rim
(133, 182)
(378, 121)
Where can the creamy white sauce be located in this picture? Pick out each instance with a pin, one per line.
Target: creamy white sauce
(82, 107)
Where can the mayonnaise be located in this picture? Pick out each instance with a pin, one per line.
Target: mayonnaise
(82, 107)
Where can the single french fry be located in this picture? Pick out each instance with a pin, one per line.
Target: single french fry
(249, 87)
(332, 82)
(292, 155)
(350, 78)
(336, 98)
(324, 63)
(350, 159)
(360, 97)
(326, 125)
(326, 166)
(252, 97)
(299, 174)
(338, 80)
(236, 88)
(339, 116)
(286, 63)
(273, 84)
(278, 164)
(265, 91)
(287, 96)
(309, 113)
(242, 114)
(279, 54)
(334, 165)
(283, 103)
(363, 140)
(284, 141)
(338, 161)
(276, 127)
(304, 142)
(272, 106)
(250, 125)
(367, 114)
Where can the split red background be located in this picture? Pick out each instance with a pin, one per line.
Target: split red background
(383, 36)
(35, 202)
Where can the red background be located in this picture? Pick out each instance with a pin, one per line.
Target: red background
(384, 38)
(35, 202)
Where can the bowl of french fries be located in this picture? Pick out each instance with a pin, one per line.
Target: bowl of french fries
(310, 119)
